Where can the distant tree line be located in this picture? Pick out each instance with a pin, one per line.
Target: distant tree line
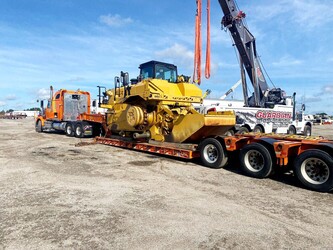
(12, 110)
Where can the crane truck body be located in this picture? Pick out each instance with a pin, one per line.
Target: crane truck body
(280, 119)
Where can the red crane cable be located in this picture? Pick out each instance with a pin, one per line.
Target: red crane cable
(198, 44)
(207, 68)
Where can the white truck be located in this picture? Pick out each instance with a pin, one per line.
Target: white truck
(279, 119)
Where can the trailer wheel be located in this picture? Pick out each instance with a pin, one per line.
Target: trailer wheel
(256, 160)
(39, 127)
(69, 129)
(307, 130)
(78, 130)
(292, 130)
(212, 153)
(314, 169)
(242, 130)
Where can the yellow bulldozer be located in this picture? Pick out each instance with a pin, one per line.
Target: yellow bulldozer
(157, 107)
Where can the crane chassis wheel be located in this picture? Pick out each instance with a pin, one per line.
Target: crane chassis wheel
(292, 130)
(212, 154)
(256, 160)
(307, 130)
(314, 169)
(242, 130)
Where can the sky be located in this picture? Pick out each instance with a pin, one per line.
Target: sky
(79, 44)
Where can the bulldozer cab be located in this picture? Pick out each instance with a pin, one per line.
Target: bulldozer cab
(158, 70)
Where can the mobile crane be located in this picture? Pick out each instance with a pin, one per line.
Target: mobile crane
(266, 110)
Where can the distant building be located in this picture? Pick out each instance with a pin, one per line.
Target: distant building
(28, 113)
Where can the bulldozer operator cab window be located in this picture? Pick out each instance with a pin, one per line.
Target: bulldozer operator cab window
(147, 73)
(166, 73)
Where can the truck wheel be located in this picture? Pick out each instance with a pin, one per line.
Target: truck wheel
(79, 130)
(39, 127)
(242, 130)
(256, 160)
(69, 129)
(314, 169)
(258, 129)
(307, 130)
(212, 153)
(292, 130)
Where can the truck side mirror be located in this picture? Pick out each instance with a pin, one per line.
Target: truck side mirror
(94, 103)
(42, 104)
(303, 107)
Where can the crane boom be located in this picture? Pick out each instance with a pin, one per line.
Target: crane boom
(231, 90)
(246, 46)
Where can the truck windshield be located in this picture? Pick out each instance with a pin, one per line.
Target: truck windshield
(300, 117)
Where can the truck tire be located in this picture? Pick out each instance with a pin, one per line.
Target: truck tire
(69, 129)
(292, 130)
(39, 127)
(256, 160)
(212, 153)
(78, 131)
(314, 169)
(258, 129)
(242, 130)
(307, 130)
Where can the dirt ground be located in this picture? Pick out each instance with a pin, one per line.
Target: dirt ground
(55, 195)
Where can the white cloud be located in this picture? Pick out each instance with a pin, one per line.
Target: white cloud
(312, 13)
(307, 99)
(177, 54)
(77, 79)
(114, 20)
(326, 90)
(10, 97)
(43, 94)
(287, 61)
(269, 11)
(2, 103)
(307, 13)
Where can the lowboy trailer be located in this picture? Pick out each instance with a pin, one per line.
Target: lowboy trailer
(260, 155)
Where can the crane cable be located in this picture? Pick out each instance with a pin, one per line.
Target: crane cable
(198, 44)
(207, 68)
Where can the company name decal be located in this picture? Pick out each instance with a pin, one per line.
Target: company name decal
(273, 115)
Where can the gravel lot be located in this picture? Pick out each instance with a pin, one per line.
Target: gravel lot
(55, 195)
